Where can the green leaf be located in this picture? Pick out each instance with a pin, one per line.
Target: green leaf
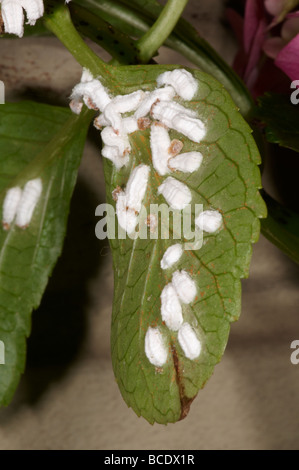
(135, 18)
(227, 181)
(281, 227)
(281, 119)
(36, 141)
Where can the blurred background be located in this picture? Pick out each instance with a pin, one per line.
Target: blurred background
(68, 397)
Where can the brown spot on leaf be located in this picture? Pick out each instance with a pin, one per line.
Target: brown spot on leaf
(185, 401)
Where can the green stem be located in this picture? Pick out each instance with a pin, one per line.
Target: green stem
(59, 22)
(183, 39)
(160, 30)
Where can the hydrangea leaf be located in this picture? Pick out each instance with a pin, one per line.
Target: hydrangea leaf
(228, 181)
(36, 141)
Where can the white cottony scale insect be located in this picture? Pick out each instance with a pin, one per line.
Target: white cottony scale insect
(182, 81)
(119, 140)
(30, 196)
(186, 162)
(160, 142)
(185, 286)
(99, 122)
(13, 16)
(129, 201)
(130, 125)
(179, 118)
(126, 103)
(136, 186)
(162, 94)
(209, 221)
(10, 205)
(188, 341)
(154, 346)
(171, 256)
(192, 128)
(166, 111)
(176, 193)
(94, 94)
(122, 104)
(171, 310)
(127, 218)
(112, 153)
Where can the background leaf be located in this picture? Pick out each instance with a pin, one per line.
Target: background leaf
(228, 180)
(281, 119)
(281, 227)
(36, 141)
(134, 18)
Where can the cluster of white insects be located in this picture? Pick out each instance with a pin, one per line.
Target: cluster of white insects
(157, 111)
(19, 205)
(13, 15)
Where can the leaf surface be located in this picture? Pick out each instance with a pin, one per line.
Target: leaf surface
(281, 118)
(227, 181)
(36, 141)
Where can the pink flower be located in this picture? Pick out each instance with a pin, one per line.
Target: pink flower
(284, 49)
(269, 36)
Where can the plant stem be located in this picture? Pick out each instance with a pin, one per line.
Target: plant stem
(183, 39)
(160, 30)
(59, 22)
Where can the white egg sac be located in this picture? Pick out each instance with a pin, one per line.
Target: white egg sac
(171, 310)
(191, 127)
(30, 196)
(185, 286)
(181, 80)
(186, 162)
(171, 256)
(162, 94)
(129, 125)
(94, 94)
(127, 218)
(189, 342)
(112, 153)
(166, 111)
(129, 202)
(100, 121)
(209, 221)
(160, 142)
(113, 139)
(154, 346)
(176, 193)
(136, 186)
(119, 105)
(10, 205)
(126, 103)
